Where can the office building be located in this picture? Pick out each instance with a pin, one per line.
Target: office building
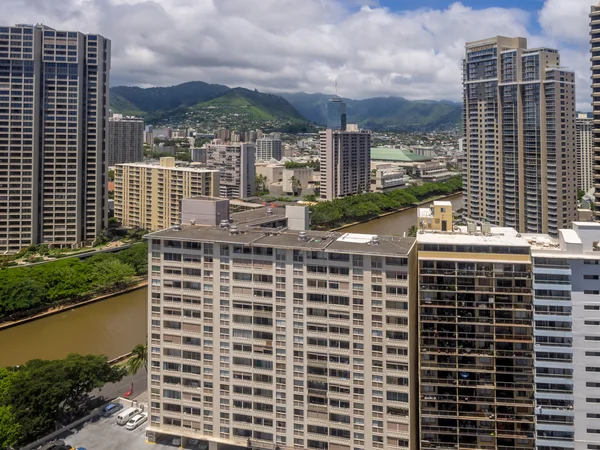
(388, 177)
(567, 318)
(236, 164)
(336, 114)
(519, 124)
(289, 339)
(345, 162)
(125, 139)
(53, 136)
(585, 152)
(268, 148)
(595, 59)
(149, 196)
(476, 380)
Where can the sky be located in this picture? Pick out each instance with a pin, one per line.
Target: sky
(408, 48)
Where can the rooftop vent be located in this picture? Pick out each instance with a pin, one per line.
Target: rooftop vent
(471, 227)
(192, 221)
(177, 227)
(224, 223)
(234, 229)
(375, 240)
(302, 236)
(486, 228)
(269, 212)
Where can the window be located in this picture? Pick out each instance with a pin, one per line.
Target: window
(590, 277)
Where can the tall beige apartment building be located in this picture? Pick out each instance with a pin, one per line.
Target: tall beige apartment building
(345, 162)
(595, 59)
(476, 339)
(53, 136)
(269, 338)
(235, 162)
(149, 196)
(585, 152)
(519, 124)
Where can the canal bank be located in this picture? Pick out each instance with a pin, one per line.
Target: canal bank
(454, 198)
(77, 304)
(111, 327)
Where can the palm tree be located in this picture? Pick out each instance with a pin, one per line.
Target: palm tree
(412, 231)
(138, 359)
(261, 182)
(296, 185)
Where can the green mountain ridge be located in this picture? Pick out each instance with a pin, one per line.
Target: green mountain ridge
(382, 113)
(216, 106)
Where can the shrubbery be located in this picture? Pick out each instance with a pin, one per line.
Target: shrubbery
(366, 206)
(23, 288)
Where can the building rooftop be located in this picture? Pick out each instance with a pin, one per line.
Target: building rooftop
(157, 165)
(395, 154)
(332, 242)
(500, 236)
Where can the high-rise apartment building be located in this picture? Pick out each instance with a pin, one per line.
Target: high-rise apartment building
(585, 152)
(268, 148)
(336, 114)
(595, 58)
(345, 162)
(149, 196)
(235, 161)
(567, 330)
(296, 340)
(126, 139)
(519, 124)
(53, 136)
(476, 380)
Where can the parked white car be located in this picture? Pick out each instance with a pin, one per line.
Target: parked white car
(136, 421)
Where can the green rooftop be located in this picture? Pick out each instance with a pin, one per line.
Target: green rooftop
(395, 154)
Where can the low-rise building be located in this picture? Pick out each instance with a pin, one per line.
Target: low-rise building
(149, 196)
(388, 177)
(294, 180)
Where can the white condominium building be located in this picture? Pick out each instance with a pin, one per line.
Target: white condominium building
(279, 339)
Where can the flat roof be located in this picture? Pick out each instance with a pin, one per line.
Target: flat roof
(178, 168)
(501, 236)
(395, 154)
(332, 242)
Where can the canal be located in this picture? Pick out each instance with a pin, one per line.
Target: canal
(114, 326)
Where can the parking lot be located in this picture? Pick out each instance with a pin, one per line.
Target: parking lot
(105, 434)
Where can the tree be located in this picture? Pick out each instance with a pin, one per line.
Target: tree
(296, 185)
(111, 175)
(139, 359)
(261, 182)
(44, 393)
(412, 231)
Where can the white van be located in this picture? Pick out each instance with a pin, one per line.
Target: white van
(124, 416)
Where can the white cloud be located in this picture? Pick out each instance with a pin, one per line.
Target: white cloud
(286, 45)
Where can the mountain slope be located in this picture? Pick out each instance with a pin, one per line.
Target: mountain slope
(257, 104)
(163, 98)
(382, 113)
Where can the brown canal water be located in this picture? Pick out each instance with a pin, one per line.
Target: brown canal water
(400, 222)
(114, 326)
(111, 327)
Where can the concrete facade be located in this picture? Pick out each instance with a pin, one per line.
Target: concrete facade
(235, 162)
(585, 153)
(125, 139)
(149, 196)
(345, 163)
(519, 109)
(279, 338)
(53, 182)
